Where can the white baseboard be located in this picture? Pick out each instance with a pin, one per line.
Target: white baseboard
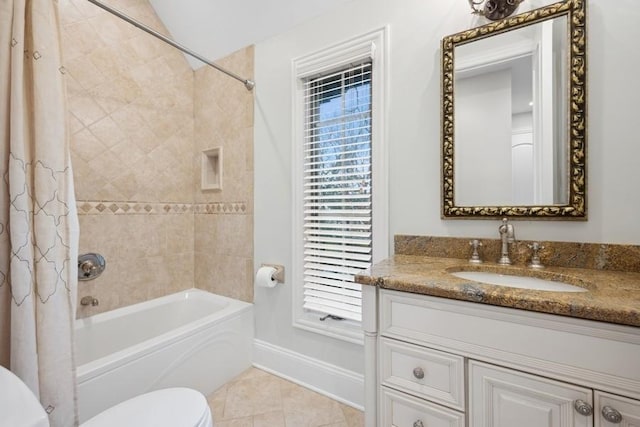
(332, 381)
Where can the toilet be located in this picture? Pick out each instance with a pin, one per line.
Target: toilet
(170, 407)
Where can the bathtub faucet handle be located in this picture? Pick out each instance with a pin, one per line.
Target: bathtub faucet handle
(87, 268)
(90, 266)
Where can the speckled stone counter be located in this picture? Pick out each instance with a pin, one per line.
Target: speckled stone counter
(612, 296)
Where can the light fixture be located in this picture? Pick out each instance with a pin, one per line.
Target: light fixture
(494, 9)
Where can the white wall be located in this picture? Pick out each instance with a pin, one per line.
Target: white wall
(416, 27)
(216, 28)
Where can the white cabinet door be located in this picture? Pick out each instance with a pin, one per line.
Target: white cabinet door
(500, 397)
(616, 411)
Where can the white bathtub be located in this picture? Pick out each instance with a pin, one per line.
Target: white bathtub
(193, 338)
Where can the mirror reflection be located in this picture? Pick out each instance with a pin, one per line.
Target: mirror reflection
(511, 117)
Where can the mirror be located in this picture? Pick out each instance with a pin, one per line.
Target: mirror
(513, 116)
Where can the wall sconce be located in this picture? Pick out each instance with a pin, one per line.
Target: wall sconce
(494, 9)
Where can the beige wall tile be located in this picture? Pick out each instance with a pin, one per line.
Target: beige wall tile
(225, 275)
(85, 72)
(120, 156)
(137, 137)
(107, 132)
(86, 109)
(78, 38)
(87, 9)
(224, 117)
(68, 12)
(110, 29)
(86, 146)
(147, 256)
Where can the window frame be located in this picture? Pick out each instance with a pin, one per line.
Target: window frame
(371, 46)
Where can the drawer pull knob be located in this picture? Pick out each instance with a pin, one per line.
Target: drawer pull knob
(419, 374)
(611, 415)
(582, 407)
(418, 423)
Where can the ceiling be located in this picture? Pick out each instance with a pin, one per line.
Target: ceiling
(216, 28)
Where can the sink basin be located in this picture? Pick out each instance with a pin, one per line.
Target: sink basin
(512, 281)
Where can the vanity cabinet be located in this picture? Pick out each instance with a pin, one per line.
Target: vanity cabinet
(420, 386)
(440, 362)
(616, 411)
(504, 397)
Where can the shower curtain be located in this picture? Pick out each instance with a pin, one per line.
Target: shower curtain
(38, 219)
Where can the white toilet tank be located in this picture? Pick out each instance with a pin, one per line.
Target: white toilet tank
(18, 405)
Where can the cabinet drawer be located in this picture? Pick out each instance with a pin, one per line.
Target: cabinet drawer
(429, 374)
(401, 410)
(609, 406)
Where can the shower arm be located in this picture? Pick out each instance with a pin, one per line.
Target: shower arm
(249, 84)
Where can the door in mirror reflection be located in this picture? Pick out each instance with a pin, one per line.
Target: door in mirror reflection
(510, 118)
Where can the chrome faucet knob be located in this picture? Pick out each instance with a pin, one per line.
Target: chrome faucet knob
(90, 266)
(87, 267)
(535, 255)
(475, 256)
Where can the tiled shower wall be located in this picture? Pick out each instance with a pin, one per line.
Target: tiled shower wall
(131, 103)
(224, 118)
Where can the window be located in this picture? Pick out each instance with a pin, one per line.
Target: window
(340, 186)
(337, 190)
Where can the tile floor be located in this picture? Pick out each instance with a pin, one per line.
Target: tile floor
(259, 399)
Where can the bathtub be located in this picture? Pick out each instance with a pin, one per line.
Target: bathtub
(193, 339)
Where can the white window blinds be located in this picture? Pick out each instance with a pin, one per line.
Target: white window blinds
(337, 190)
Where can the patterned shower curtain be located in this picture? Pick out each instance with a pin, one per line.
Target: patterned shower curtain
(38, 219)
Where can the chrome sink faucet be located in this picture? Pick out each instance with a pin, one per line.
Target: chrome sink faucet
(507, 236)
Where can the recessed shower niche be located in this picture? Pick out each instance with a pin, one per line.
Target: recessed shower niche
(212, 169)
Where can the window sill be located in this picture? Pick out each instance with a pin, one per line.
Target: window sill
(345, 330)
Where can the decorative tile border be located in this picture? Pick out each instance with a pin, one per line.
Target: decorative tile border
(220, 208)
(87, 207)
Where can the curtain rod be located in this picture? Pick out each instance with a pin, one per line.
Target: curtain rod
(249, 84)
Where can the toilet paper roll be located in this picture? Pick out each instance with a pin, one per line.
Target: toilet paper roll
(264, 277)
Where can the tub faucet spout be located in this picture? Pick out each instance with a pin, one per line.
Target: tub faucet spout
(89, 300)
(507, 236)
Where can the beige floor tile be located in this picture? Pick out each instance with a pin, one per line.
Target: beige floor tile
(216, 402)
(258, 399)
(251, 373)
(237, 422)
(269, 419)
(304, 407)
(354, 417)
(252, 396)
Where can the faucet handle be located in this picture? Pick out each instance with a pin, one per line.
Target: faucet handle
(535, 255)
(475, 256)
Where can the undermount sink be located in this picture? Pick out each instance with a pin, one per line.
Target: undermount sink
(513, 281)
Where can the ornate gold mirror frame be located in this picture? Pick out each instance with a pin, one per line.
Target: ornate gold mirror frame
(576, 139)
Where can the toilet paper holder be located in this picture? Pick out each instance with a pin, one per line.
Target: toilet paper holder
(279, 274)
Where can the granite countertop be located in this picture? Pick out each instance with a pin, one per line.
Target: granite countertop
(612, 296)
